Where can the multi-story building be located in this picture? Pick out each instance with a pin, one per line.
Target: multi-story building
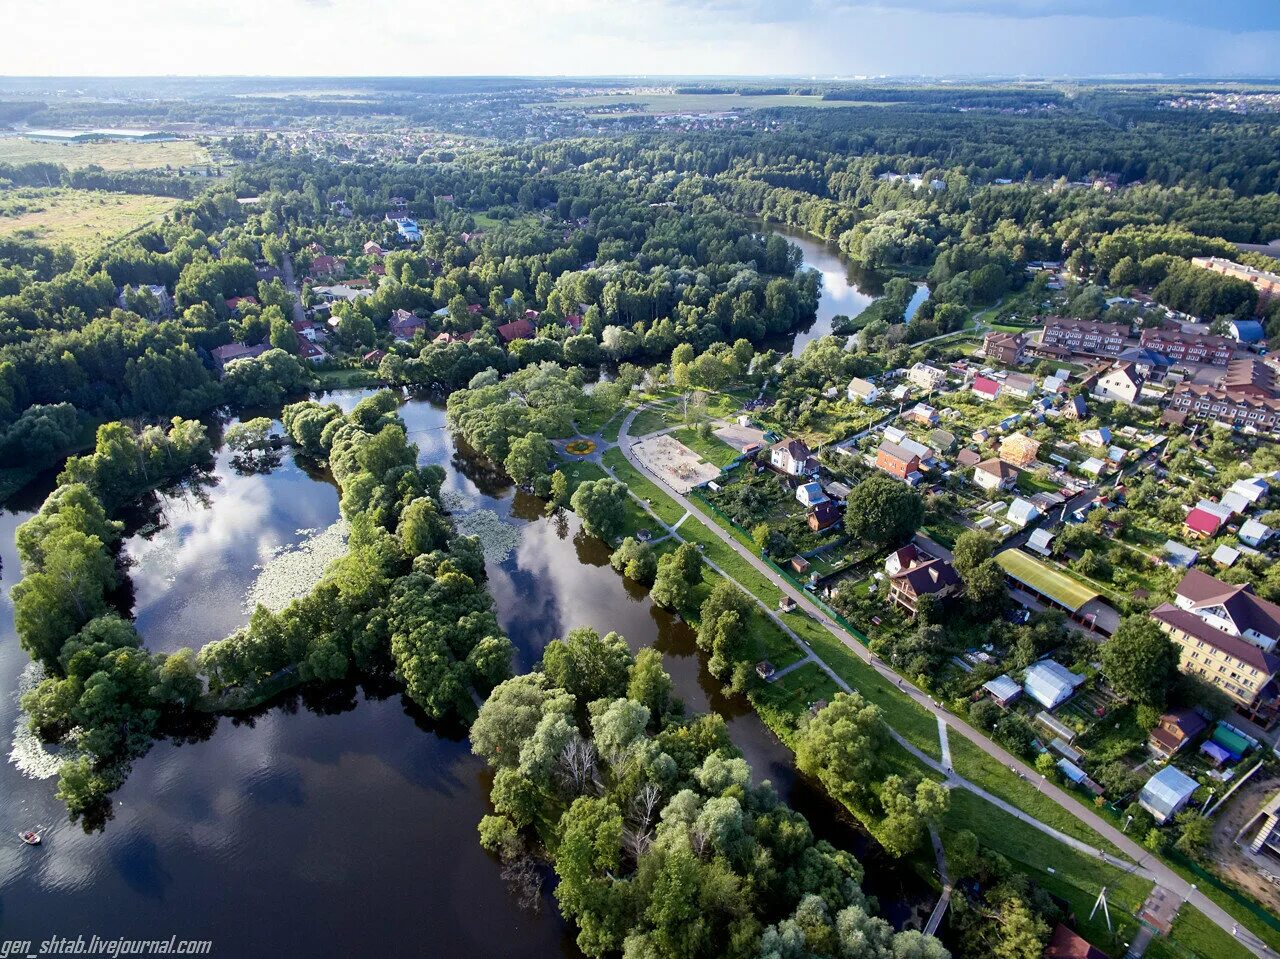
(1254, 378)
(1019, 449)
(1236, 409)
(897, 461)
(1122, 383)
(932, 577)
(1084, 336)
(1267, 284)
(928, 378)
(1227, 637)
(792, 456)
(1004, 348)
(1190, 347)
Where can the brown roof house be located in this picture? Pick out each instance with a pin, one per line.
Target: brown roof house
(1005, 348)
(1228, 637)
(1122, 383)
(994, 475)
(1066, 944)
(898, 462)
(1175, 731)
(792, 456)
(823, 515)
(932, 577)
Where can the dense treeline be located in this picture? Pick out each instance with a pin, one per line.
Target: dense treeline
(407, 599)
(662, 844)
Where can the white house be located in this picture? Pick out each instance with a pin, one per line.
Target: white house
(862, 391)
(810, 494)
(1122, 383)
(995, 474)
(928, 378)
(1041, 541)
(1022, 512)
(1254, 533)
(792, 456)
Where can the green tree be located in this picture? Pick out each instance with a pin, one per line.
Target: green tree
(635, 560)
(843, 746)
(527, 460)
(883, 511)
(1140, 661)
(678, 574)
(588, 665)
(601, 505)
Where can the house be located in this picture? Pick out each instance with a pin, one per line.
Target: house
(1093, 466)
(1230, 408)
(823, 515)
(235, 303)
(405, 326)
(1064, 336)
(1175, 731)
(1003, 689)
(1202, 524)
(325, 265)
(1019, 385)
(968, 457)
(1226, 556)
(1253, 533)
(1050, 684)
(1041, 541)
(222, 355)
(311, 352)
(985, 388)
(1183, 347)
(1228, 637)
(941, 440)
(933, 577)
(928, 378)
(800, 565)
(994, 475)
(1252, 490)
(792, 456)
(1101, 437)
(373, 357)
(374, 250)
(923, 414)
(1004, 348)
(1076, 409)
(1247, 331)
(897, 461)
(862, 391)
(521, 329)
(901, 559)
(1179, 556)
(1066, 944)
(1021, 512)
(407, 227)
(1122, 383)
(810, 493)
(1019, 450)
(1166, 793)
(1266, 283)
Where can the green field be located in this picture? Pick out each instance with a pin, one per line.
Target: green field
(715, 451)
(659, 103)
(81, 219)
(109, 156)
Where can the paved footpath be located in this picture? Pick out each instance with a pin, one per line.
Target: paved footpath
(1144, 863)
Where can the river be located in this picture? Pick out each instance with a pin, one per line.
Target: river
(847, 289)
(337, 821)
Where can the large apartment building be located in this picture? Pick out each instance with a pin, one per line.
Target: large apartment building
(1227, 637)
(1267, 284)
(1084, 336)
(1190, 347)
(1235, 408)
(1255, 378)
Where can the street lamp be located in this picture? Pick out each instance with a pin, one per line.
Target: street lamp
(1126, 823)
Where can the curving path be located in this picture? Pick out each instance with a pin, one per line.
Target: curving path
(1147, 865)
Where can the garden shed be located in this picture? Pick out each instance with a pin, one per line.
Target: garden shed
(1166, 793)
(1050, 684)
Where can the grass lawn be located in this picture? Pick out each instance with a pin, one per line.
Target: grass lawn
(663, 505)
(81, 219)
(578, 472)
(109, 156)
(1194, 935)
(590, 417)
(484, 221)
(1076, 877)
(715, 451)
(795, 692)
(345, 378)
(649, 421)
(982, 770)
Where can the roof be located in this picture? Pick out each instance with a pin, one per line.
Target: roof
(1248, 331)
(1180, 555)
(1247, 610)
(982, 384)
(796, 449)
(825, 512)
(1168, 788)
(1251, 529)
(931, 577)
(968, 457)
(861, 387)
(520, 329)
(1202, 521)
(810, 489)
(1230, 740)
(1188, 720)
(1040, 540)
(1246, 374)
(899, 453)
(1066, 944)
(998, 467)
(1049, 683)
(1188, 622)
(1022, 511)
(1225, 555)
(1003, 688)
(1066, 592)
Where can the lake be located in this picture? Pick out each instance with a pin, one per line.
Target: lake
(847, 289)
(337, 821)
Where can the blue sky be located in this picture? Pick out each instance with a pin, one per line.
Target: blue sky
(646, 37)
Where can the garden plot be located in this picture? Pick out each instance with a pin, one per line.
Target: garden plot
(678, 466)
(740, 437)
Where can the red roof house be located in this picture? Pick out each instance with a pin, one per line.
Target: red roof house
(574, 322)
(1202, 523)
(985, 388)
(325, 265)
(520, 329)
(235, 302)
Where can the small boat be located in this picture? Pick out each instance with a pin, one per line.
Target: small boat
(30, 837)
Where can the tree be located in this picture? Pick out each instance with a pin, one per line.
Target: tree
(843, 746)
(601, 505)
(722, 627)
(421, 528)
(984, 588)
(1140, 661)
(1195, 831)
(882, 511)
(635, 560)
(677, 575)
(973, 547)
(559, 495)
(650, 684)
(588, 665)
(527, 460)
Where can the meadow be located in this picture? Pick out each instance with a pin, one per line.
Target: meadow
(81, 219)
(108, 155)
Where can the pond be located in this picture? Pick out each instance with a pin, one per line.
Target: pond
(338, 821)
(847, 289)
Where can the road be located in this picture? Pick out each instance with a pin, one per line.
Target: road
(291, 284)
(1146, 863)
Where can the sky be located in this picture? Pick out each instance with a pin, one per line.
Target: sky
(818, 38)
